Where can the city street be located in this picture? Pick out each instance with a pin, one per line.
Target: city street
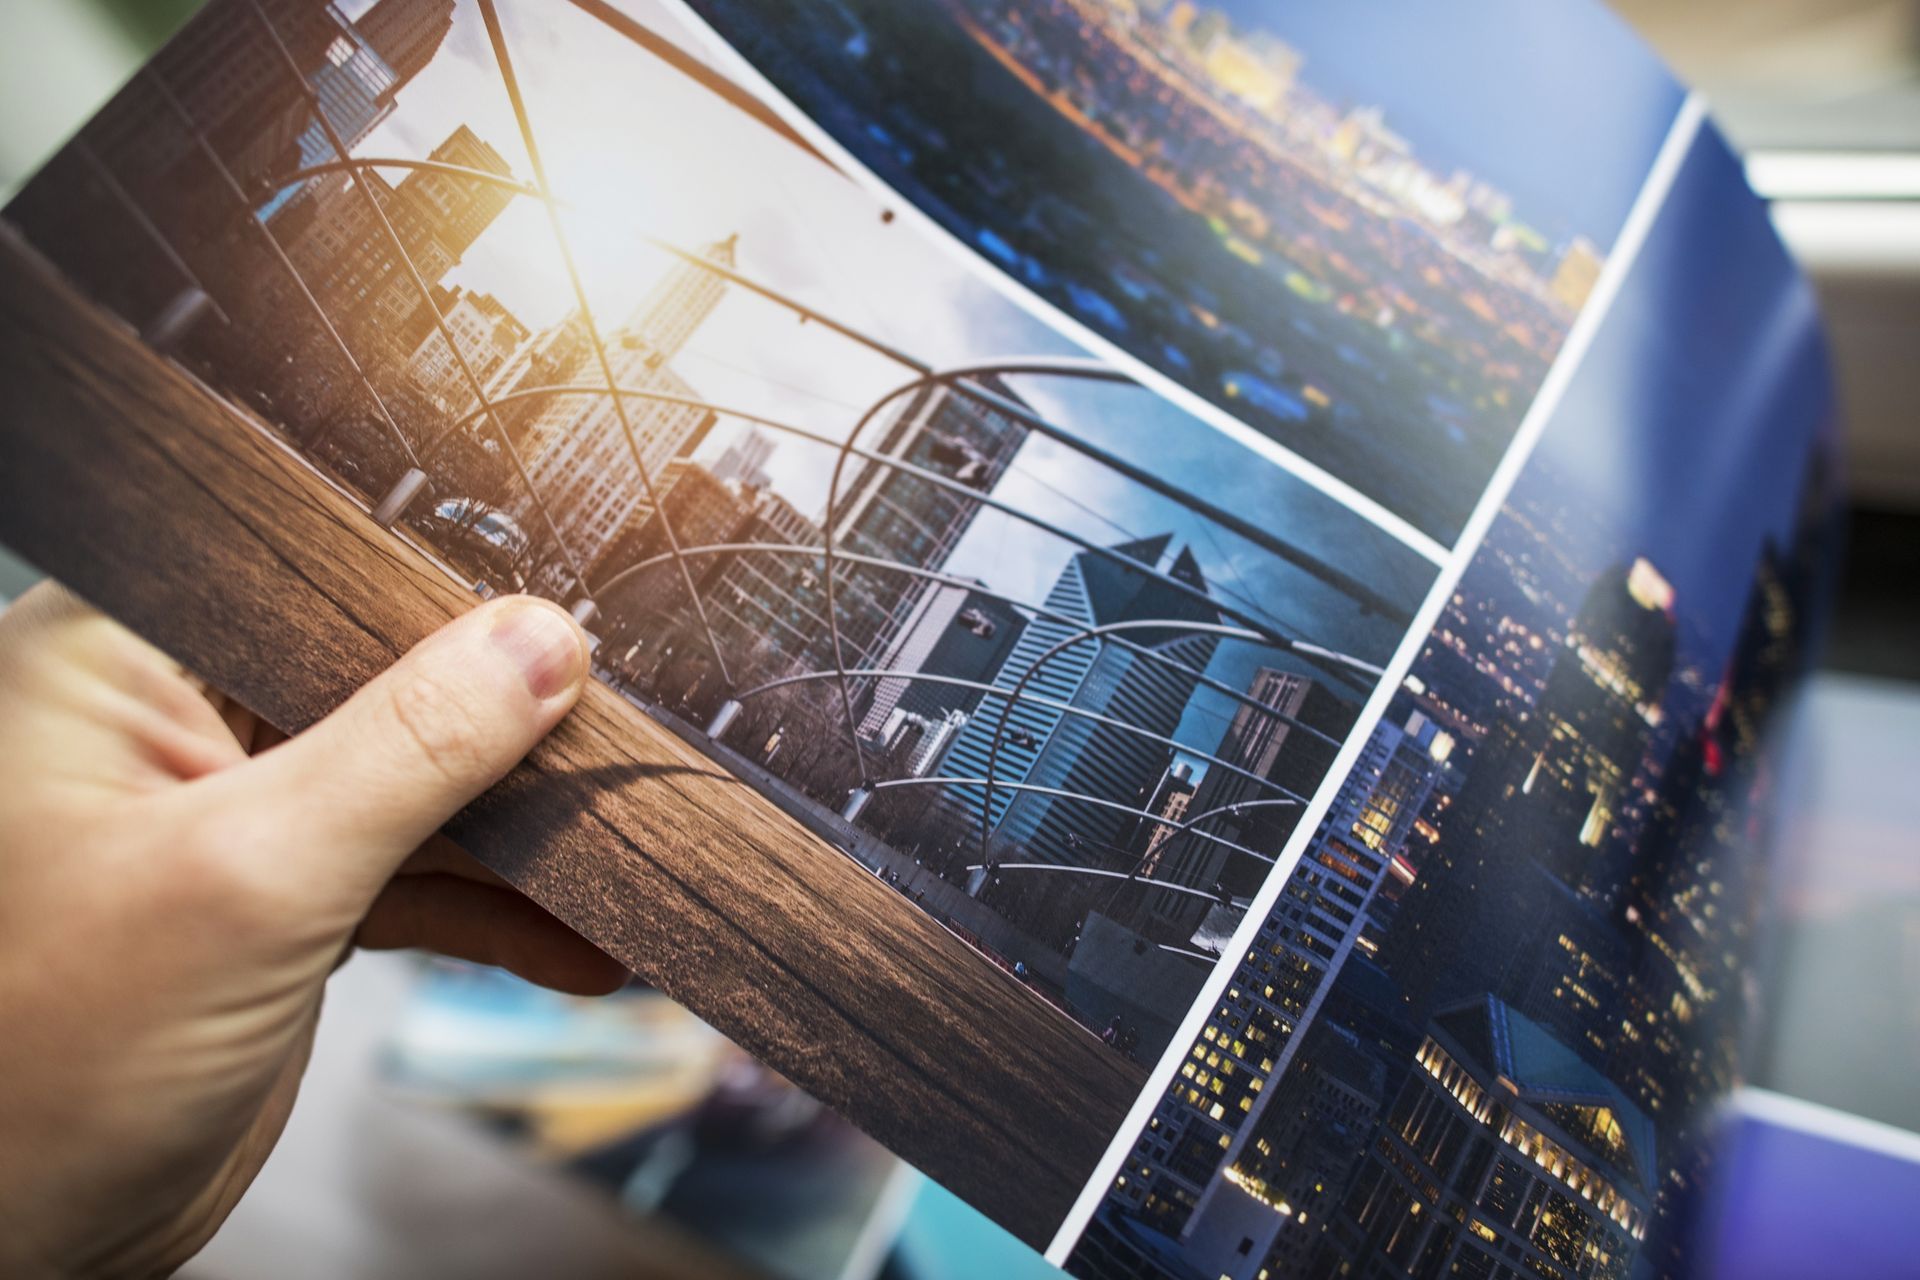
(122, 478)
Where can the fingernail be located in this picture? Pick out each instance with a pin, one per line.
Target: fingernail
(544, 644)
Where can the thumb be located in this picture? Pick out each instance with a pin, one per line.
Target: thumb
(360, 790)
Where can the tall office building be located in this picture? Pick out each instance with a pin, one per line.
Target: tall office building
(1204, 1120)
(366, 66)
(350, 264)
(577, 453)
(461, 208)
(487, 335)
(1503, 1153)
(1045, 748)
(407, 33)
(559, 355)
(954, 632)
(745, 459)
(1602, 697)
(889, 515)
(704, 510)
(224, 70)
(1273, 1201)
(1291, 751)
(892, 515)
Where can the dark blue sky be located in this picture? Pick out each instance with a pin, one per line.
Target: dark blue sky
(1689, 427)
(1558, 103)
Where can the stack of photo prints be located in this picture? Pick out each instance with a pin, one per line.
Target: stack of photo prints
(1188, 595)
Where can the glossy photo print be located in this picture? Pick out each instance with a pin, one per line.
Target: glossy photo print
(921, 631)
(1179, 593)
(1361, 230)
(1487, 1032)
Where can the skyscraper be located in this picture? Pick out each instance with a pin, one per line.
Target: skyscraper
(745, 459)
(1293, 750)
(887, 514)
(349, 262)
(226, 73)
(406, 33)
(1204, 1120)
(366, 66)
(892, 515)
(955, 632)
(1273, 1202)
(576, 450)
(487, 334)
(1044, 747)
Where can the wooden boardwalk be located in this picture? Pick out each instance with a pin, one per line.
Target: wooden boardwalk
(125, 480)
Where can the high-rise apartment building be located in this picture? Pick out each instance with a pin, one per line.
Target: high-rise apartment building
(1204, 1121)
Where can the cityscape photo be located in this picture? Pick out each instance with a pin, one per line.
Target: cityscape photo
(1485, 1032)
(1362, 230)
(1060, 664)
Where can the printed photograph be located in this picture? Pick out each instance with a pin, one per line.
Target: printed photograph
(1486, 1030)
(536, 290)
(1363, 230)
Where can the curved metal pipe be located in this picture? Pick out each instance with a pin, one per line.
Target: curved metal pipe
(1061, 646)
(420, 285)
(1064, 794)
(1071, 367)
(499, 41)
(353, 165)
(951, 580)
(962, 379)
(1113, 875)
(1052, 704)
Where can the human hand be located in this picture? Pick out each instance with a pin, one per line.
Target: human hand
(171, 905)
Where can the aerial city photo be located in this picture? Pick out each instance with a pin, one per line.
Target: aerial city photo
(868, 534)
(1362, 230)
(1485, 1030)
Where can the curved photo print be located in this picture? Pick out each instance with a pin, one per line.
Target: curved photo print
(1487, 1030)
(1362, 230)
(922, 631)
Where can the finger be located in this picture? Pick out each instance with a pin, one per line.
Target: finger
(487, 925)
(44, 606)
(348, 800)
(119, 705)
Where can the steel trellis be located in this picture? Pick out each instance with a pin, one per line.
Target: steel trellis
(499, 41)
(1011, 696)
(1063, 869)
(356, 165)
(968, 381)
(963, 380)
(420, 285)
(951, 580)
(245, 206)
(848, 449)
(1064, 794)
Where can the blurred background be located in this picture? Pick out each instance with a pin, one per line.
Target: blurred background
(458, 1123)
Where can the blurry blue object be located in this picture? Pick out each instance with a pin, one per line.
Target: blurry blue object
(1809, 1191)
(943, 1238)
